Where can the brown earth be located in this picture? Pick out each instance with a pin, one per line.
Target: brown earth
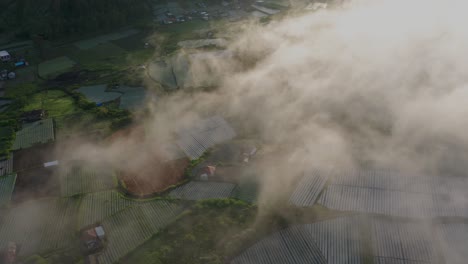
(153, 173)
(33, 180)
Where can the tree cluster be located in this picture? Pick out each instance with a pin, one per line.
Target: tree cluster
(61, 18)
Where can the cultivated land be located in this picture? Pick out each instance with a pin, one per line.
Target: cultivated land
(97, 88)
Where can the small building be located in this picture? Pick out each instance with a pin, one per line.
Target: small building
(5, 56)
(207, 172)
(100, 232)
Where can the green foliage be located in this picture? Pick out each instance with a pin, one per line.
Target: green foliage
(21, 91)
(35, 259)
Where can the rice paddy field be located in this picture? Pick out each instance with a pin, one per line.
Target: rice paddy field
(51, 68)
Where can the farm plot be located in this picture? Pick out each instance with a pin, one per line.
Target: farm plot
(395, 194)
(132, 97)
(106, 53)
(34, 180)
(40, 225)
(98, 94)
(246, 191)
(79, 179)
(194, 141)
(334, 241)
(402, 241)
(100, 205)
(7, 184)
(452, 238)
(198, 43)
(51, 68)
(91, 43)
(34, 133)
(339, 239)
(131, 227)
(162, 72)
(6, 166)
(197, 190)
(309, 188)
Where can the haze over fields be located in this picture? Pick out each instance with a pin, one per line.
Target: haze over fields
(370, 84)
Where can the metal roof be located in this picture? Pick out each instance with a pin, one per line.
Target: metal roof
(41, 131)
(203, 135)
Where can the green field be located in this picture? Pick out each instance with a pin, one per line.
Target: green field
(105, 54)
(85, 178)
(54, 67)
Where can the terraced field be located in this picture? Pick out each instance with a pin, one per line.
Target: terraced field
(133, 226)
(40, 225)
(85, 179)
(34, 133)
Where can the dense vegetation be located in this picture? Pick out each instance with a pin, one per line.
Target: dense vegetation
(60, 18)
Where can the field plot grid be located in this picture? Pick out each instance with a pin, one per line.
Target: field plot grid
(40, 226)
(131, 227)
(308, 189)
(408, 242)
(99, 205)
(334, 241)
(452, 238)
(203, 135)
(389, 193)
(85, 179)
(7, 184)
(198, 190)
(34, 133)
(6, 166)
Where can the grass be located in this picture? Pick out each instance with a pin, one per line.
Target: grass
(102, 56)
(57, 104)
